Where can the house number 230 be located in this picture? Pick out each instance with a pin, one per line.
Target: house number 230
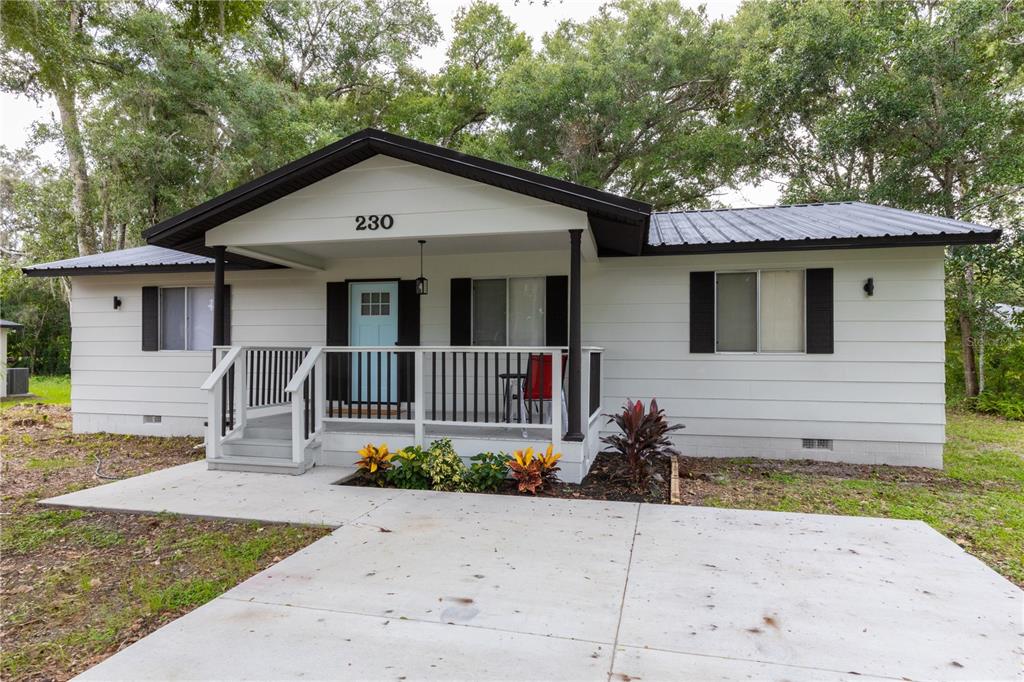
(374, 222)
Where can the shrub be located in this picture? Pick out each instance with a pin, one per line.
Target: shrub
(549, 465)
(445, 468)
(643, 437)
(1004, 383)
(411, 470)
(526, 469)
(374, 462)
(487, 472)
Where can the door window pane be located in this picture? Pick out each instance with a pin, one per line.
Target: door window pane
(200, 318)
(782, 311)
(172, 319)
(736, 311)
(526, 311)
(489, 312)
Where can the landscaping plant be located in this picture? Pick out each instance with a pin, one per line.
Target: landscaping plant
(643, 437)
(410, 472)
(374, 462)
(549, 465)
(526, 469)
(445, 467)
(487, 472)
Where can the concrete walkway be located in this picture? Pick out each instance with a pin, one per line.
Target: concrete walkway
(422, 585)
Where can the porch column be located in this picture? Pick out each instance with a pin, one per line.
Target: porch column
(218, 296)
(574, 432)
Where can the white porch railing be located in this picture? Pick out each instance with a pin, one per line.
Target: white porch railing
(423, 386)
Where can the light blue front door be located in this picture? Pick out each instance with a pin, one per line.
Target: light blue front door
(373, 321)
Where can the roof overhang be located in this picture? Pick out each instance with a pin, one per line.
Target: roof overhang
(186, 231)
(825, 244)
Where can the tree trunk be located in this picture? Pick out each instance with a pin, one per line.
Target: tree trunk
(106, 225)
(84, 231)
(967, 349)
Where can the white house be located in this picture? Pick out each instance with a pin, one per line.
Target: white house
(383, 289)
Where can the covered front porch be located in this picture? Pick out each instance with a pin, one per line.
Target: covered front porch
(284, 407)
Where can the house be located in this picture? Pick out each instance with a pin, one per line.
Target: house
(383, 289)
(7, 386)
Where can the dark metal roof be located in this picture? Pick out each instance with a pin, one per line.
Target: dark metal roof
(7, 324)
(805, 226)
(186, 230)
(139, 259)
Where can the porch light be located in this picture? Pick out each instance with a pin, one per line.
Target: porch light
(421, 281)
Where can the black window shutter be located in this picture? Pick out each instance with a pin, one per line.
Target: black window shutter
(227, 314)
(702, 312)
(461, 311)
(820, 311)
(556, 310)
(150, 318)
(408, 335)
(337, 335)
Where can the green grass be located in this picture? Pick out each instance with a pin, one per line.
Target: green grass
(53, 390)
(977, 501)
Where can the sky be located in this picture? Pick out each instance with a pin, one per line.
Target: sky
(17, 114)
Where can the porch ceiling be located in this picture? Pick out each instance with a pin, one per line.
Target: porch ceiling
(317, 255)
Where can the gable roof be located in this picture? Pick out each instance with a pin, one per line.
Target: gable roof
(139, 259)
(806, 226)
(185, 231)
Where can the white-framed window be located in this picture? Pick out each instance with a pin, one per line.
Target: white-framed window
(508, 311)
(186, 318)
(760, 311)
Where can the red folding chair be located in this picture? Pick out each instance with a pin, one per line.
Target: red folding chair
(537, 385)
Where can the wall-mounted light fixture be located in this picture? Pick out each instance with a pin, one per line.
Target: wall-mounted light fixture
(117, 303)
(869, 286)
(421, 281)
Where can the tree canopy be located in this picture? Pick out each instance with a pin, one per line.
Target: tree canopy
(161, 105)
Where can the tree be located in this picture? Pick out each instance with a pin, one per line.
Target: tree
(912, 104)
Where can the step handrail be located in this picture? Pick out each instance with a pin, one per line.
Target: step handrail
(308, 363)
(221, 369)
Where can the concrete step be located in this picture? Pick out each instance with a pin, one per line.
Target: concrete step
(261, 465)
(259, 447)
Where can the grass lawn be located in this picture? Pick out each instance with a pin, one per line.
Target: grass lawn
(977, 500)
(53, 390)
(77, 585)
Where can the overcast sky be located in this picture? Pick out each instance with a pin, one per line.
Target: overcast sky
(18, 113)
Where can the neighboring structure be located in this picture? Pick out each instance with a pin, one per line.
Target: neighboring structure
(791, 331)
(10, 385)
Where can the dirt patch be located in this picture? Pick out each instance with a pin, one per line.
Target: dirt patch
(77, 585)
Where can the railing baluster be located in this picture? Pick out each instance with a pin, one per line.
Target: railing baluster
(378, 354)
(433, 384)
(465, 386)
(508, 388)
(497, 390)
(487, 407)
(350, 357)
(359, 383)
(444, 388)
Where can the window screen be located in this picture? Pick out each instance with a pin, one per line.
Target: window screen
(526, 311)
(736, 312)
(489, 314)
(782, 311)
(172, 319)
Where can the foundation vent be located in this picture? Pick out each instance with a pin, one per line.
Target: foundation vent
(151, 419)
(817, 444)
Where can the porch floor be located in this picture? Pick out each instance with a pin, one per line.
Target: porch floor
(595, 590)
(385, 427)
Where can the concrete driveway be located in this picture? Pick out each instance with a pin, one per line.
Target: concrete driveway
(422, 585)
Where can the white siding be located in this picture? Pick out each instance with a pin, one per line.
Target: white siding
(880, 396)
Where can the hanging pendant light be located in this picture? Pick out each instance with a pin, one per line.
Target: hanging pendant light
(421, 281)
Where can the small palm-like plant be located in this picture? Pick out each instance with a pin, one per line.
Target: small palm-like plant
(643, 437)
(526, 469)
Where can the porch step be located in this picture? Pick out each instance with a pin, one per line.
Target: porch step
(261, 465)
(267, 432)
(270, 448)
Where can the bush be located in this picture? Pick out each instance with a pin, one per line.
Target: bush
(445, 468)
(1004, 383)
(374, 462)
(411, 470)
(487, 472)
(549, 465)
(643, 437)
